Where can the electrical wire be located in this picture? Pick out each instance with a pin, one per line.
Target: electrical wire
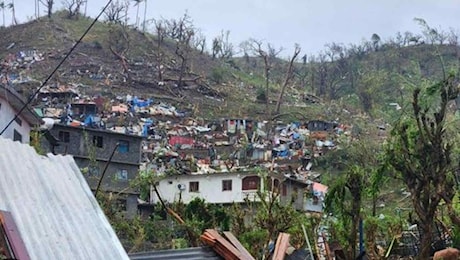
(57, 67)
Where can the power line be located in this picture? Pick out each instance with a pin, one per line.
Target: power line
(57, 67)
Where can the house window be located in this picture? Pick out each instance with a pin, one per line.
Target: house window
(122, 175)
(251, 183)
(98, 141)
(226, 185)
(17, 136)
(18, 120)
(64, 136)
(193, 186)
(123, 146)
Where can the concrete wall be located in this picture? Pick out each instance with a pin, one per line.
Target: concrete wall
(114, 178)
(81, 142)
(6, 114)
(123, 167)
(210, 188)
(294, 193)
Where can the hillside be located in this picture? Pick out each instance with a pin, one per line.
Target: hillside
(113, 60)
(341, 82)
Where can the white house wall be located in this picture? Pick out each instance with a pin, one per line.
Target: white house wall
(6, 114)
(210, 189)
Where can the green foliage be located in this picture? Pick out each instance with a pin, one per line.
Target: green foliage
(206, 215)
(253, 241)
(35, 141)
(261, 95)
(218, 74)
(420, 152)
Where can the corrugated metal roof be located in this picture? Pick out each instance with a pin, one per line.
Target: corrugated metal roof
(194, 253)
(55, 212)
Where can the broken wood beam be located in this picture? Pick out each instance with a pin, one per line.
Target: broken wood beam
(282, 244)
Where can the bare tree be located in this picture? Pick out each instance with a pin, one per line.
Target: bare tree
(48, 4)
(227, 49)
(268, 55)
(216, 47)
(199, 41)
(117, 11)
(73, 8)
(161, 34)
(119, 45)
(182, 32)
(288, 77)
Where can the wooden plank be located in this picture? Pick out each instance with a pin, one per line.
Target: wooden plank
(232, 251)
(277, 245)
(282, 243)
(207, 240)
(244, 253)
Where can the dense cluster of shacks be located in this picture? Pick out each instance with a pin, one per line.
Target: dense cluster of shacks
(174, 142)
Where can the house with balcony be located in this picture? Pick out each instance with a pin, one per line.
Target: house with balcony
(219, 188)
(237, 187)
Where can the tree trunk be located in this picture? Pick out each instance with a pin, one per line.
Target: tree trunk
(425, 240)
(287, 79)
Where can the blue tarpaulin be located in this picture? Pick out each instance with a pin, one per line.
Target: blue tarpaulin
(141, 103)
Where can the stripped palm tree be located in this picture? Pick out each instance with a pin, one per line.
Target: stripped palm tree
(137, 3)
(11, 7)
(145, 15)
(2, 6)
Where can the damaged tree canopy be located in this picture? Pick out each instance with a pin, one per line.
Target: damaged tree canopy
(420, 152)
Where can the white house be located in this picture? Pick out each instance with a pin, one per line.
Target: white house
(214, 188)
(11, 103)
(235, 187)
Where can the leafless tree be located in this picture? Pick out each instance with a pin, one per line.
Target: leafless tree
(48, 4)
(181, 31)
(216, 47)
(119, 45)
(288, 77)
(199, 41)
(226, 48)
(73, 8)
(160, 30)
(452, 38)
(117, 11)
(267, 55)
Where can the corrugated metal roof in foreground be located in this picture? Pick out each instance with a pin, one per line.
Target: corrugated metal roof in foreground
(194, 253)
(55, 212)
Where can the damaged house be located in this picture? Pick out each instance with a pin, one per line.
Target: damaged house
(92, 150)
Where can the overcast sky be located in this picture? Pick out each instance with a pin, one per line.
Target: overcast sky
(311, 23)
